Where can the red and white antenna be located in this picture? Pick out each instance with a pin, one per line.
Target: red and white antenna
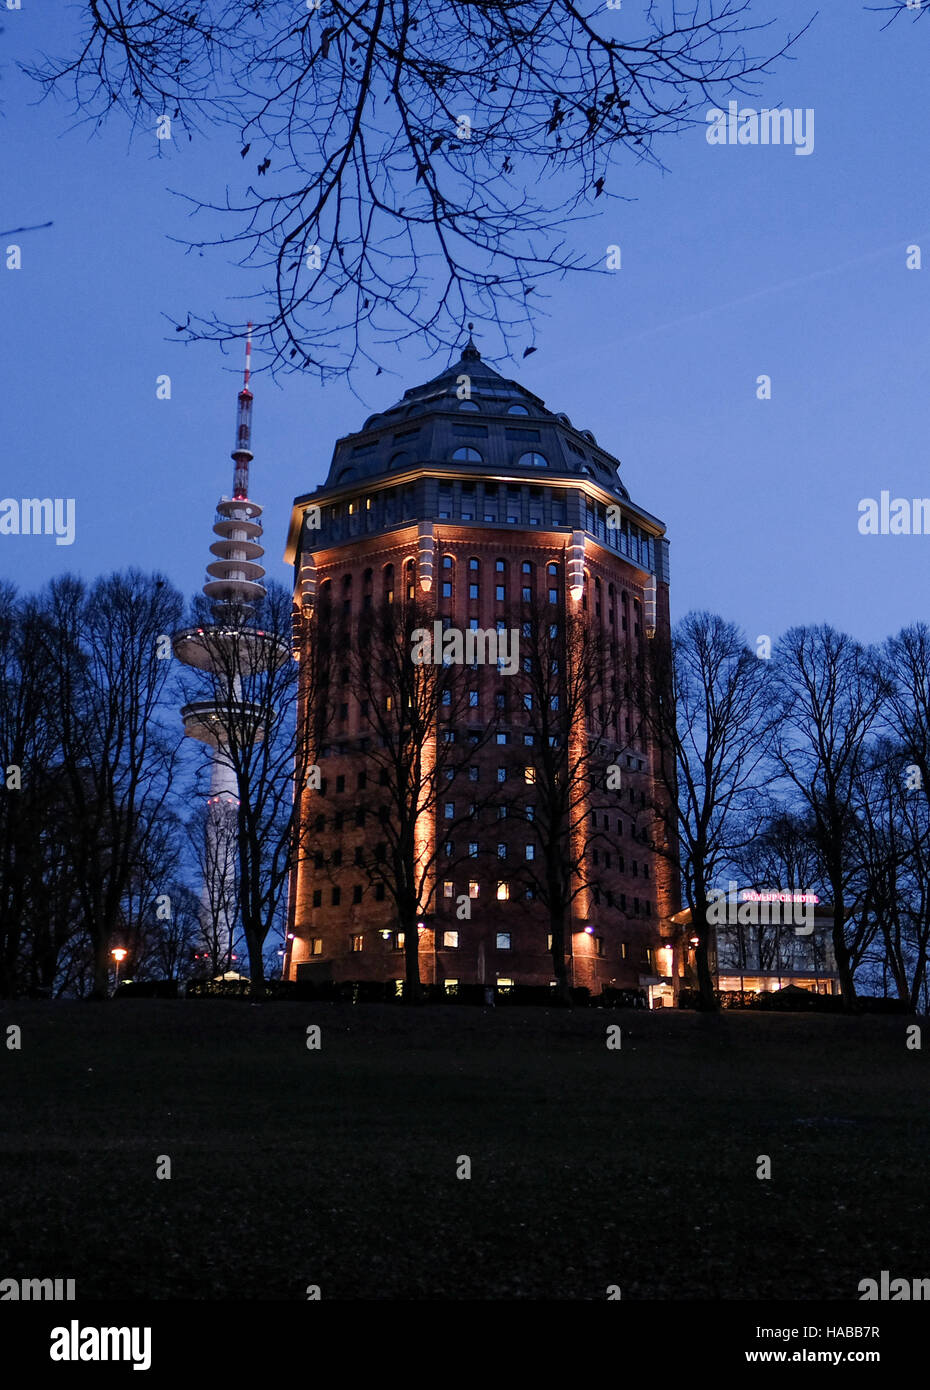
(242, 454)
(248, 357)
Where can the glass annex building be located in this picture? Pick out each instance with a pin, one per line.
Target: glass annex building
(474, 501)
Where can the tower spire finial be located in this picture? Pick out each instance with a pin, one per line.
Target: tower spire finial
(470, 353)
(242, 454)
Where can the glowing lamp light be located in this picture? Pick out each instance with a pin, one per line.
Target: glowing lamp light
(386, 935)
(575, 567)
(119, 954)
(590, 931)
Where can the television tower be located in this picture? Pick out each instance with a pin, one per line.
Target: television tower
(228, 651)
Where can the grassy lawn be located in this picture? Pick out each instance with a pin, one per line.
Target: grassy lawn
(337, 1167)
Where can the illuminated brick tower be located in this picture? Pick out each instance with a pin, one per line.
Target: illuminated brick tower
(470, 495)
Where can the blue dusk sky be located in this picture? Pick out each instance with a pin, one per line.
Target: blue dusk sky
(737, 261)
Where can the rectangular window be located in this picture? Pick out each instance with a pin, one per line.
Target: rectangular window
(503, 895)
(473, 591)
(316, 946)
(357, 893)
(358, 942)
(499, 592)
(473, 849)
(379, 892)
(317, 897)
(529, 851)
(336, 897)
(529, 775)
(450, 939)
(446, 589)
(473, 888)
(502, 851)
(449, 810)
(502, 774)
(503, 940)
(448, 888)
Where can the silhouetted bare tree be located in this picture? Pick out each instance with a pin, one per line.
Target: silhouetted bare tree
(710, 717)
(828, 695)
(421, 159)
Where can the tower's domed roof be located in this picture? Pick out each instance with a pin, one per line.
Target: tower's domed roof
(470, 416)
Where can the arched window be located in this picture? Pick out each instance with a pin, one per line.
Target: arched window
(410, 578)
(474, 563)
(388, 583)
(468, 405)
(396, 460)
(345, 474)
(532, 460)
(517, 410)
(466, 455)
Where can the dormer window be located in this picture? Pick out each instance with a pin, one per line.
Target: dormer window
(517, 410)
(466, 455)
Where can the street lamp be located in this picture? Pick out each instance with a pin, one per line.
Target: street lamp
(119, 954)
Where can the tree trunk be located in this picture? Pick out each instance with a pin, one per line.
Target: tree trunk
(255, 942)
(413, 989)
(101, 989)
(702, 929)
(705, 978)
(841, 951)
(563, 993)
